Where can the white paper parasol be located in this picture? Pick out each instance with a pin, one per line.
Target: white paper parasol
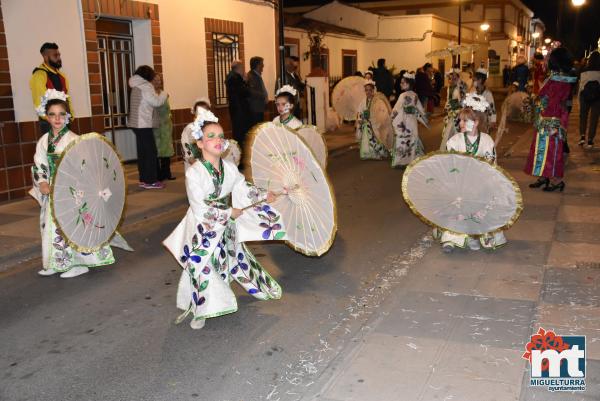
(88, 193)
(233, 152)
(281, 162)
(347, 96)
(315, 141)
(452, 49)
(380, 116)
(461, 194)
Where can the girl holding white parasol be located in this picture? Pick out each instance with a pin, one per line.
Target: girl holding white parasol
(406, 115)
(370, 146)
(285, 98)
(57, 255)
(225, 211)
(470, 141)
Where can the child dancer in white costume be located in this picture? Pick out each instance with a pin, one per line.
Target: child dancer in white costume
(225, 211)
(285, 99)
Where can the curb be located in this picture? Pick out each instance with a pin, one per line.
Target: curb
(33, 251)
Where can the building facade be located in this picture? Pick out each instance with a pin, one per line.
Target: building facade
(190, 42)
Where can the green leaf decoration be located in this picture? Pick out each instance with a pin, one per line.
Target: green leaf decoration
(429, 180)
(203, 285)
(279, 236)
(72, 190)
(105, 162)
(201, 252)
(243, 280)
(454, 170)
(195, 241)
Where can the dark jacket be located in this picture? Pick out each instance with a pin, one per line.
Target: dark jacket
(384, 81)
(423, 85)
(295, 81)
(520, 74)
(258, 93)
(238, 94)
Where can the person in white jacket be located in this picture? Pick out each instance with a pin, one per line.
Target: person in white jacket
(145, 97)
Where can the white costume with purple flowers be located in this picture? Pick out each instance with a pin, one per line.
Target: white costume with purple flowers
(210, 246)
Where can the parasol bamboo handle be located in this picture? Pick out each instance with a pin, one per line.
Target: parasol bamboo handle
(277, 194)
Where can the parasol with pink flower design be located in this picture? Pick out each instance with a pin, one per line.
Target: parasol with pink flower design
(88, 193)
(280, 161)
(461, 193)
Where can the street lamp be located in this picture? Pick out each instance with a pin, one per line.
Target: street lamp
(484, 27)
(578, 3)
(547, 41)
(535, 35)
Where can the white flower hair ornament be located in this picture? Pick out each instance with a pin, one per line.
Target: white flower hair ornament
(453, 71)
(482, 71)
(370, 82)
(286, 89)
(409, 75)
(51, 94)
(202, 118)
(476, 102)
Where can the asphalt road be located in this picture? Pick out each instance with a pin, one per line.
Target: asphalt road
(109, 335)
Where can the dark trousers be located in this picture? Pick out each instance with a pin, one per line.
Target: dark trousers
(147, 159)
(256, 118)
(164, 168)
(591, 110)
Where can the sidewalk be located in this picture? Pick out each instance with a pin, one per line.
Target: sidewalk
(19, 221)
(455, 326)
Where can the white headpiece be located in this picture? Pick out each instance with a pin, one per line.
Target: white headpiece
(482, 71)
(200, 99)
(203, 116)
(515, 84)
(453, 71)
(409, 75)
(287, 89)
(476, 102)
(50, 95)
(370, 82)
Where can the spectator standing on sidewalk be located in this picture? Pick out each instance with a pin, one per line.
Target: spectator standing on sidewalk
(589, 100)
(163, 136)
(145, 97)
(546, 155)
(383, 79)
(238, 95)
(48, 76)
(259, 96)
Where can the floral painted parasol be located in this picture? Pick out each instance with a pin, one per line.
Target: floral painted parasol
(88, 193)
(461, 193)
(281, 162)
(347, 97)
(315, 141)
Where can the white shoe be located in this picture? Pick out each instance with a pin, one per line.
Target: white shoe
(74, 272)
(47, 272)
(474, 244)
(447, 248)
(197, 324)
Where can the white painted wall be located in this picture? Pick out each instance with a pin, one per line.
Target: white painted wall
(182, 39)
(184, 48)
(345, 16)
(28, 24)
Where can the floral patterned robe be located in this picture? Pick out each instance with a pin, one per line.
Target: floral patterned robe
(482, 146)
(546, 154)
(56, 253)
(210, 247)
(370, 146)
(456, 95)
(406, 114)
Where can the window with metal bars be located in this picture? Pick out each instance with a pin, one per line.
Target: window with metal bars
(226, 48)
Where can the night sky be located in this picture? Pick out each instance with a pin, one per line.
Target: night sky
(547, 10)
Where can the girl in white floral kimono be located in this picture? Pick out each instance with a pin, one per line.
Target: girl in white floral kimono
(457, 91)
(480, 89)
(406, 115)
(470, 141)
(188, 142)
(370, 146)
(284, 100)
(225, 211)
(57, 255)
